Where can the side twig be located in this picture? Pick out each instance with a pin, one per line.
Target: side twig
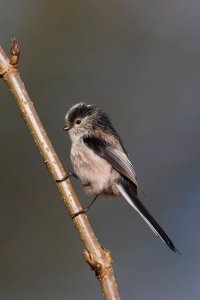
(98, 258)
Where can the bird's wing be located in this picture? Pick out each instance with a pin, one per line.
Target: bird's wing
(127, 188)
(117, 158)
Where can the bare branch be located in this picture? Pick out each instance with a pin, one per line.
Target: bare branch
(98, 258)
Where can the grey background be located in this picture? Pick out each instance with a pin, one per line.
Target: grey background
(140, 62)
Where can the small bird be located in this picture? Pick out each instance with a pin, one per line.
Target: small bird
(101, 161)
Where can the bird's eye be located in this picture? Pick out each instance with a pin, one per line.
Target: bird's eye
(78, 121)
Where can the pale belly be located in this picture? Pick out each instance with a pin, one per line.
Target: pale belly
(95, 173)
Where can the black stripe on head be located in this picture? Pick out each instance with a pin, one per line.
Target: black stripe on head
(80, 110)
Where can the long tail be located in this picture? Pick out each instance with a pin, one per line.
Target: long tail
(127, 190)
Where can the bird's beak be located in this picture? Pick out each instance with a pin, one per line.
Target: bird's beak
(66, 128)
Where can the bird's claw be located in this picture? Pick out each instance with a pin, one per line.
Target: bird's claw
(67, 176)
(82, 211)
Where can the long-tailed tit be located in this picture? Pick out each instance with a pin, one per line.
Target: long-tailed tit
(101, 161)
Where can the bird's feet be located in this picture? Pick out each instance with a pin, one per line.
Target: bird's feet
(67, 176)
(84, 210)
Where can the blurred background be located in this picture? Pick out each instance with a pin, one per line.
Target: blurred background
(140, 62)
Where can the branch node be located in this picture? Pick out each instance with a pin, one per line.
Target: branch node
(15, 52)
(100, 271)
(94, 264)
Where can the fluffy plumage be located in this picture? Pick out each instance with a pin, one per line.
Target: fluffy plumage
(101, 161)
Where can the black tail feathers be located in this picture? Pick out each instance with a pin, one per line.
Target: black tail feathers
(128, 191)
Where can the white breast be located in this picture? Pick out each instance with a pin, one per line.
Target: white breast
(91, 169)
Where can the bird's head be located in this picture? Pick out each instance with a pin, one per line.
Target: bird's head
(82, 119)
